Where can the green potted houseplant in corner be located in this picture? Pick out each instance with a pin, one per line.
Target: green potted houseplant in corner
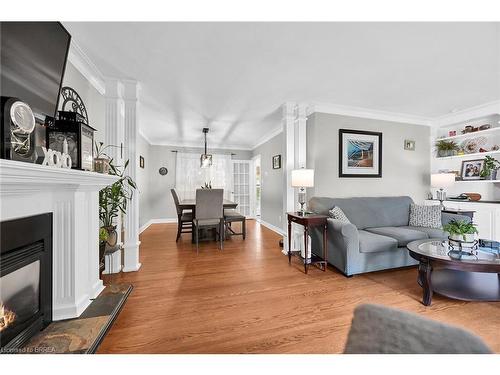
(461, 230)
(490, 168)
(446, 148)
(113, 200)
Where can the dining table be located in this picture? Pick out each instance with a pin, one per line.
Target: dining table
(190, 204)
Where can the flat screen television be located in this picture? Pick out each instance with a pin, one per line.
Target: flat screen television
(33, 59)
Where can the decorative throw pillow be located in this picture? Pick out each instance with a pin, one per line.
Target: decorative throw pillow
(425, 216)
(338, 214)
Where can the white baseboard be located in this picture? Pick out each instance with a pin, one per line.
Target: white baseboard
(272, 227)
(157, 221)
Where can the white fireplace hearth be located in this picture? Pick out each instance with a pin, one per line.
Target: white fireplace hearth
(73, 198)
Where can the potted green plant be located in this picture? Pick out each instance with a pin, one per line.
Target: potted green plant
(490, 168)
(101, 158)
(103, 238)
(113, 200)
(446, 148)
(461, 230)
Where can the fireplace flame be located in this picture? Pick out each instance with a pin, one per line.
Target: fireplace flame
(7, 317)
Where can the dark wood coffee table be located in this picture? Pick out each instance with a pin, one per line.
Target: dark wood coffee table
(472, 278)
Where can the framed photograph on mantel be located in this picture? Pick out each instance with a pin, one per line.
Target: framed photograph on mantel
(360, 153)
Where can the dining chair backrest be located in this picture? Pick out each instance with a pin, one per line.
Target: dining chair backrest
(209, 204)
(176, 201)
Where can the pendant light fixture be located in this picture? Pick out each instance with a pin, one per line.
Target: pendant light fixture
(205, 159)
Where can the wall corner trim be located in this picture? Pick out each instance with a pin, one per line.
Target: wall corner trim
(268, 137)
(86, 67)
(274, 228)
(157, 221)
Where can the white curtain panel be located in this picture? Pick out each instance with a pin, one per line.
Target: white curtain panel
(189, 176)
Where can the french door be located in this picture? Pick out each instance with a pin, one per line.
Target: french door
(241, 194)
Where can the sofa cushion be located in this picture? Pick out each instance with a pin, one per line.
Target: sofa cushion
(431, 232)
(400, 234)
(425, 216)
(374, 243)
(366, 212)
(337, 214)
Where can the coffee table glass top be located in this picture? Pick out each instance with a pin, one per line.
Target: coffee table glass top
(438, 249)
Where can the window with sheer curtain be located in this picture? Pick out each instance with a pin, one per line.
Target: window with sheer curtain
(189, 176)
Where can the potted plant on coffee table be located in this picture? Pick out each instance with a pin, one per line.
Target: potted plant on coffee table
(461, 231)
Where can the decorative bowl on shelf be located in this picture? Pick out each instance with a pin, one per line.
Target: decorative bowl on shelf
(474, 196)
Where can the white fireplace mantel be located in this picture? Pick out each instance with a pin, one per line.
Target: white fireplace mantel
(73, 198)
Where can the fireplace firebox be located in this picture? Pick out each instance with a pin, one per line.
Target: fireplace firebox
(25, 279)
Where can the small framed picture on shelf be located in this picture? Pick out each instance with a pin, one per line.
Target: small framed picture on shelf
(141, 162)
(276, 161)
(471, 169)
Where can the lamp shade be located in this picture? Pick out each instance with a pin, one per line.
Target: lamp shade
(442, 180)
(303, 177)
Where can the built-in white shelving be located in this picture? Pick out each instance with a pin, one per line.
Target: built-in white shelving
(479, 181)
(490, 131)
(468, 155)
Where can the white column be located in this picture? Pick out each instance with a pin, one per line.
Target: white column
(294, 118)
(301, 138)
(131, 241)
(114, 126)
(288, 162)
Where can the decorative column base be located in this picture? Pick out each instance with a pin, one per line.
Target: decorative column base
(131, 257)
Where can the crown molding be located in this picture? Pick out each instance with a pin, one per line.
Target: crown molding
(466, 114)
(338, 109)
(141, 133)
(86, 67)
(267, 137)
(196, 145)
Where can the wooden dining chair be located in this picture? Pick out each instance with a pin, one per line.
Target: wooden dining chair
(184, 217)
(233, 216)
(209, 213)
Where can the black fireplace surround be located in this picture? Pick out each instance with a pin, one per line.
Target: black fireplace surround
(25, 279)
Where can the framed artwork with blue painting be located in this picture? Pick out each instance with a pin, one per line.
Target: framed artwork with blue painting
(360, 153)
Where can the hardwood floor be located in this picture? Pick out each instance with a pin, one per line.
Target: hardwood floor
(247, 299)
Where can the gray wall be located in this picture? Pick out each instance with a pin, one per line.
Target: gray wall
(156, 200)
(143, 184)
(403, 172)
(272, 181)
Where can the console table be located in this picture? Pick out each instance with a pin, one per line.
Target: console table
(307, 221)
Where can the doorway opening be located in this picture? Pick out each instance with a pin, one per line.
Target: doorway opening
(257, 186)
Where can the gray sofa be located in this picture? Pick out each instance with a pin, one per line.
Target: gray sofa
(377, 236)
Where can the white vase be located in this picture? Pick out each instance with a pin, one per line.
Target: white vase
(463, 237)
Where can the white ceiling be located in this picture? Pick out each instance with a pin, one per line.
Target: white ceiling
(233, 77)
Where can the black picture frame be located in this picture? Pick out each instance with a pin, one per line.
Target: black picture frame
(276, 161)
(377, 140)
(141, 162)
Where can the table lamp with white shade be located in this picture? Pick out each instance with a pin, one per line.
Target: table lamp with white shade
(442, 181)
(302, 179)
